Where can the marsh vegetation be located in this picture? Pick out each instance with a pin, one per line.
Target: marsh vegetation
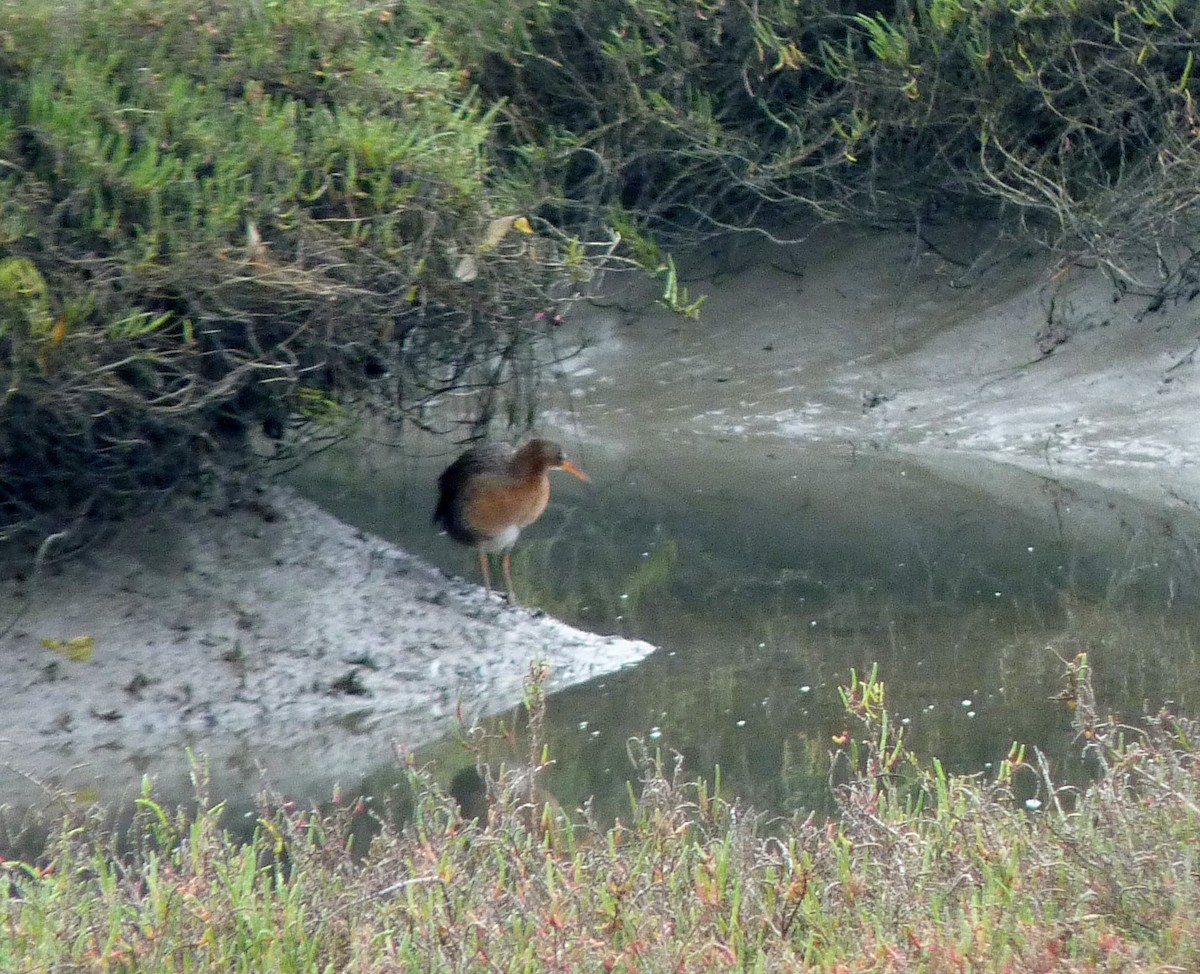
(920, 870)
(228, 228)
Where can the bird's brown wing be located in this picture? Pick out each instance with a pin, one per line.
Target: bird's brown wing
(477, 465)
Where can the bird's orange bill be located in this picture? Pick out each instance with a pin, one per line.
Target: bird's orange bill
(569, 467)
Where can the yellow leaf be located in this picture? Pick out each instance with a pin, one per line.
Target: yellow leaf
(77, 648)
(497, 230)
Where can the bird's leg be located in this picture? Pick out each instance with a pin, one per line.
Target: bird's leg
(512, 596)
(487, 575)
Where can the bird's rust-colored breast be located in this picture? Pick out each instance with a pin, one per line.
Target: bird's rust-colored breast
(495, 504)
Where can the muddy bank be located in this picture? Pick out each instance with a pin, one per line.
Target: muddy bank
(271, 633)
(266, 634)
(962, 352)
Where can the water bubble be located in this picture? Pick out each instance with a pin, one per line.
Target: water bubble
(741, 723)
(805, 689)
(1029, 548)
(966, 703)
(970, 713)
(905, 721)
(655, 733)
(1033, 804)
(583, 725)
(595, 734)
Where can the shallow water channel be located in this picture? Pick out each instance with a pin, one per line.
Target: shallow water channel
(765, 570)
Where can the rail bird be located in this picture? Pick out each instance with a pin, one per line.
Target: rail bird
(490, 493)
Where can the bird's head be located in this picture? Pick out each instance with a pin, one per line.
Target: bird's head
(545, 455)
